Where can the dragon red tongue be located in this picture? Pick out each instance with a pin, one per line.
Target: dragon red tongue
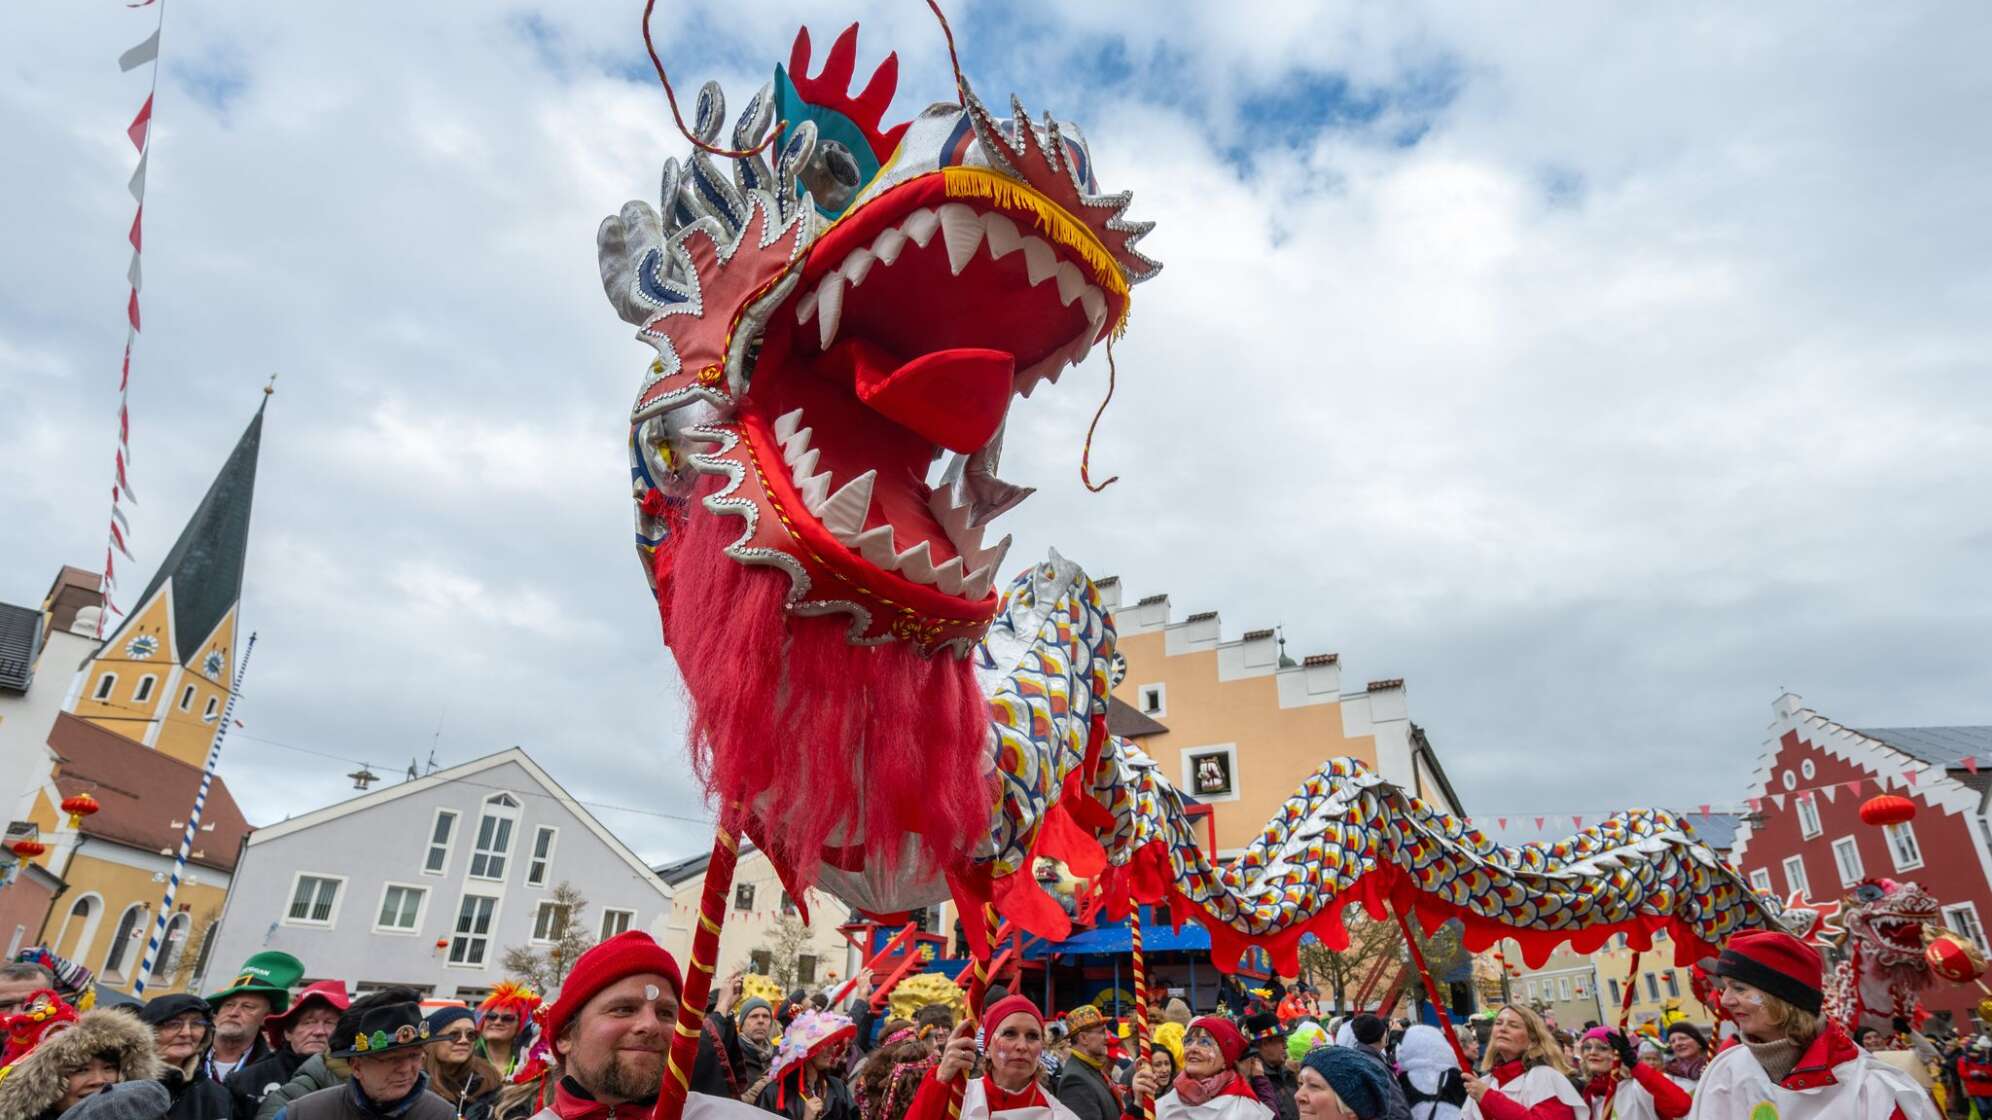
(955, 398)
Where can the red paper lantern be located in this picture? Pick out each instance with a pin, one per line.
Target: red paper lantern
(442, 942)
(27, 849)
(79, 806)
(1889, 808)
(1954, 958)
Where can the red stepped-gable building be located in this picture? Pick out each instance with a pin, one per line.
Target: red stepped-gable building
(1805, 833)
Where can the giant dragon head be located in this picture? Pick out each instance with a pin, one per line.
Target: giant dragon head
(1888, 918)
(828, 326)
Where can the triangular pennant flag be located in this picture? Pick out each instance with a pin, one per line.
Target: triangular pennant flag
(1703, 809)
(1971, 764)
(117, 538)
(1539, 821)
(1778, 799)
(124, 377)
(137, 184)
(1756, 804)
(1853, 787)
(118, 516)
(141, 54)
(1828, 791)
(122, 480)
(114, 608)
(110, 572)
(137, 227)
(1909, 776)
(124, 427)
(140, 124)
(1502, 822)
(133, 273)
(1577, 822)
(131, 310)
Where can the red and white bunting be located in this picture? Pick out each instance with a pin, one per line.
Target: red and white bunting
(140, 132)
(1778, 799)
(1971, 764)
(1829, 791)
(1853, 787)
(1909, 776)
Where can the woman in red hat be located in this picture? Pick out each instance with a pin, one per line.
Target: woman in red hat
(1794, 1060)
(1524, 1075)
(1009, 1089)
(1210, 1086)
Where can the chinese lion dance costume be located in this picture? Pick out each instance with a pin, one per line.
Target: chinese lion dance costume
(869, 704)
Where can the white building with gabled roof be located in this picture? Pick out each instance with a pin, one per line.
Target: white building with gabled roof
(427, 882)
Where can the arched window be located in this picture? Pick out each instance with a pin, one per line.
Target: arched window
(494, 836)
(144, 690)
(122, 939)
(169, 950)
(104, 685)
(79, 927)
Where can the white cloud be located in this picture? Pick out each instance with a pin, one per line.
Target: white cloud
(1649, 379)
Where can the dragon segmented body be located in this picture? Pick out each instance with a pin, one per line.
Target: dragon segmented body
(890, 725)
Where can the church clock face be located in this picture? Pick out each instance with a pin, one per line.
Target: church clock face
(212, 664)
(142, 647)
(1116, 669)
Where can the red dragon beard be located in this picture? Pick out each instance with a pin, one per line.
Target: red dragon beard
(837, 751)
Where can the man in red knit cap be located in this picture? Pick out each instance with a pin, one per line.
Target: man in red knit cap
(611, 1029)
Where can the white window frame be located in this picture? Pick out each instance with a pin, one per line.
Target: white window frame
(490, 934)
(1846, 851)
(142, 691)
(1161, 709)
(539, 868)
(540, 910)
(126, 965)
(448, 844)
(1187, 771)
(628, 923)
(213, 710)
(1673, 981)
(1795, 880)
(421, 909)
(500, 814)
(1530, 987)
(1760, 881)
(1974, 932)
(338, 899)
(1888, 835)
(107, 686)
(1563, 989)
(187, 697)
(1652, 987)
(1808, 817)
(171, 946)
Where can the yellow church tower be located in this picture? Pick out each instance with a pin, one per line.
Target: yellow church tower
(162, 678)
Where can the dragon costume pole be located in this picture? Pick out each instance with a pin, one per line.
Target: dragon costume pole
(698, 978)
(978, 990)
(1140, 1004)
(1631, 989)
(1431, 989)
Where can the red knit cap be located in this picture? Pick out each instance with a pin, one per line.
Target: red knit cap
(995, 1013)
(1230, 1041)
(1775, 962)
(626, 954)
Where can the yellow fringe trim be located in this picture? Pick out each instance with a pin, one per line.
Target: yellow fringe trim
(1052, 220)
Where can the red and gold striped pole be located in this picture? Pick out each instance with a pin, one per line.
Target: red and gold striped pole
(698, 979)
(1140, 1004)
(978, 991)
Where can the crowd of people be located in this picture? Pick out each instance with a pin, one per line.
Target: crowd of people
(257, 1050)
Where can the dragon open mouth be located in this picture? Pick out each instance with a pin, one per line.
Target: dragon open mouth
(874, 368)
(1905, 933)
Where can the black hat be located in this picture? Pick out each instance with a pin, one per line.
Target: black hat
(1368, 1029)
(1689, 1029)
(384, 1029)
(1264, 1026)
(164, 1008)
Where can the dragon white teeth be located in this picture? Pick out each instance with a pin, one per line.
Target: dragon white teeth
(805, 308)
(917, 563)
(1040, 259)
(843, 513)
(829, 308)
(961, 229)
(1094, 302)
(813, 487)
(1003, 236)
(786, 425)
(802, 462)
(920, 226)
(858, 263)
(996, 555)
(876, 547)
(1070, 282)
(888, 244)
(956, 523)
(796, 444)
(976, 583)
(948, 575)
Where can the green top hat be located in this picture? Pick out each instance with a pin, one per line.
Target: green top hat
(270, 974)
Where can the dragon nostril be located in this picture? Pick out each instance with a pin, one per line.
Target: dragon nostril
(832, 175)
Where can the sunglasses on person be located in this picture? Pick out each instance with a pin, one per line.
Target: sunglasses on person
(501, 1018)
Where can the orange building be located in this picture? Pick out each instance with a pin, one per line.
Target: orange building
(1241, 724)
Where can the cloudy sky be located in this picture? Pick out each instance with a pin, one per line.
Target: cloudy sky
(1602, 374)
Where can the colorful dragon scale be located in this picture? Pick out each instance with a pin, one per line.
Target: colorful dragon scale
(827, 327)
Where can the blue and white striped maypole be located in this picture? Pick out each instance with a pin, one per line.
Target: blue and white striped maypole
(193, 825)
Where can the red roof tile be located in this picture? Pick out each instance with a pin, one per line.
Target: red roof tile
(142, 792)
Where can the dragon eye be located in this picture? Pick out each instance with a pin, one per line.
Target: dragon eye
(1868, 892)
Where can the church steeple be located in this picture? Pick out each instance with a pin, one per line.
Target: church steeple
(162, 678)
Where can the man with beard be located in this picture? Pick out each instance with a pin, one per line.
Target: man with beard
(295, 1035)
(261, 988)
(385, 1054)
(611, 1029)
